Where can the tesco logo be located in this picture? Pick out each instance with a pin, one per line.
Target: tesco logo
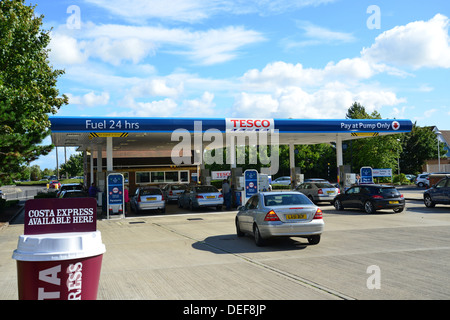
(249, 124)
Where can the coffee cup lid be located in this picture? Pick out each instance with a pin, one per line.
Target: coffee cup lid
(59, 246)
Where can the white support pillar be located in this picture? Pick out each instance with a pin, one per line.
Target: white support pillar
(339, 156)
(99, 158)
(109, 153)
(91, 168)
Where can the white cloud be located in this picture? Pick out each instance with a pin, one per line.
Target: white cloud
(199, 107)
(280, 73)
(116, 51)
(157, 108)
(193, 11)
(416, 45)
(89, 99)
(260, 105)
(114, 44)
(156, 87)
(66, 50)
(324, 103)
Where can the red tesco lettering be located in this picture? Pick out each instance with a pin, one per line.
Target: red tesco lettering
(249, 123)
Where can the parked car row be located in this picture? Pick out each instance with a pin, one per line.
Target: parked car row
(187, 196)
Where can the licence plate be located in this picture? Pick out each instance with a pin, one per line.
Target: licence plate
(393, 202)
(151, 199)
(210, 197)
(296, 216)
(330, 192)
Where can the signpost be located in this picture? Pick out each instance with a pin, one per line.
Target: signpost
(115, 194)
(366, 174)
(250, 183)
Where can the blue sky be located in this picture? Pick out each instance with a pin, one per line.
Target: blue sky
(306, 59)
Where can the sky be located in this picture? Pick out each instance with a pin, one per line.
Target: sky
(304, 59)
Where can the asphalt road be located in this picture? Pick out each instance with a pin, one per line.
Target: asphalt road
(197, 256)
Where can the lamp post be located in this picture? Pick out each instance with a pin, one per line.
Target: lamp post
(439, 151)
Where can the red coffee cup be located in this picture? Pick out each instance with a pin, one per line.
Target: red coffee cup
(61, 266)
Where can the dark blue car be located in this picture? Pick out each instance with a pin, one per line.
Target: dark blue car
(438, 194)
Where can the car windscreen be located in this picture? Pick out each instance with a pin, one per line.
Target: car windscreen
(206, 189)
(148, 192)
(285, 199)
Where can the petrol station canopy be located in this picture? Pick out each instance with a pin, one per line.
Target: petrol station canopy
(132, 134)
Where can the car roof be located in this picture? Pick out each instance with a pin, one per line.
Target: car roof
(265, 193)
(375, 185)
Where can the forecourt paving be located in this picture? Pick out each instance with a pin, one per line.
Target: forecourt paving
(198, 256)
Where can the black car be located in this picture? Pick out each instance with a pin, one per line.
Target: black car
(370, 198)
(73, 194)
(438, 194)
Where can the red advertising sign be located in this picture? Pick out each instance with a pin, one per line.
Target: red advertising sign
(60, 215)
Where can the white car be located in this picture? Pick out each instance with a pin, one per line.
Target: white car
(148, 198)
(283, 181)
(280, 214)
(423, 180)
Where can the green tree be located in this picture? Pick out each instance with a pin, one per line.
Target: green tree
(419, 145)
(357, 111)
(35, 173)
(27, 87)
(377, 152)
(73, 166)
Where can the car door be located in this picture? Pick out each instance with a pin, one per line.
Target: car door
(440, 192)
(446, 192)
(248, 213)
(351, 197)
(362, 196)
(134, 200)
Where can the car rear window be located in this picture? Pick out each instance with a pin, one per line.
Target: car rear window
(205, 189)
(324, 185)
(388, 190)
(285, 199)
(148, 192)
(178, 187)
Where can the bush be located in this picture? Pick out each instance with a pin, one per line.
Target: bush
(45, 195)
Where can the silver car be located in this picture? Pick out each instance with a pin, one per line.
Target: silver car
(319, 191)
(201, 196)
(148, 198)
(280, 214)
(173, 191)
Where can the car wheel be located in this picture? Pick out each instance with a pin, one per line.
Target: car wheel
(259, 241)
(368, 207)
(239, 233)
(338, 205)
(314, 239)
(420, 184)
(428, 201)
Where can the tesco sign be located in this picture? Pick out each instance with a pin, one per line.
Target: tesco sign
(233, 124)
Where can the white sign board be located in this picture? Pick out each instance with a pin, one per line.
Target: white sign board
(220, 175)
(382, 173)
